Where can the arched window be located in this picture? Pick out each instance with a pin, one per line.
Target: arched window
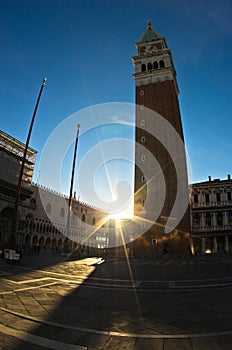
(143, 67)
(208, 219)
(48, 208)
(219, 219)
(7, 213)
(161, 64)
(149, 66)
(155, 65)
(62, 212)
(29, 221)
(33, 202)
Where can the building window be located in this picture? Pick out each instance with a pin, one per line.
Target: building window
(143, 139)
(143, 158)
(219, 219)
(195, 198)
(143, 67)
(230, 217)
(83, 218)
(218, 197)
(141, 107)
(207, 198)
(141, 93)
(161, 64)
(229, 196)
(93, 221)
(154, 241)
(143, 178)
(149, 66)
(142, 122)
(48, 208)
(208, 219)
(155, 65)
(196, 220)
(62, 212)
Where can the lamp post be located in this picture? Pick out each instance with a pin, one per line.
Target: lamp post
(18, 190)
(72, 179)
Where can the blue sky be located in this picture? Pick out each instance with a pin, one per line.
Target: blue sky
(85, 48)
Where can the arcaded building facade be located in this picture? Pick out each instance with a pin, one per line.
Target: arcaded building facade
(211, 216)
(42, 212)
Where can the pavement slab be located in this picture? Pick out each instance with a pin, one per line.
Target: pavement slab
(149, 344)
(100, 300)
(116, 343)
(206, 344)
(177, 344)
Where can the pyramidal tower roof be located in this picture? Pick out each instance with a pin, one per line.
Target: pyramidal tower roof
(150, 34)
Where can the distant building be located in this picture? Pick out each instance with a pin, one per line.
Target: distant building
(42, 212)
(211, 216)
(11, 152)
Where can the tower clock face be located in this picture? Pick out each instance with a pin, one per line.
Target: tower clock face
(150, 48)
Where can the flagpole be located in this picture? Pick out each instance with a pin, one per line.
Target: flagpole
(18, 190)
(72, 180)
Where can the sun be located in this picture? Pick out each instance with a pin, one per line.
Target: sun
(121, 215)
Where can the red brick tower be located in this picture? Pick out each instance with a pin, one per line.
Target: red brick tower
(157, 91)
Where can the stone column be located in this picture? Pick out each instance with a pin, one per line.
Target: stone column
(202, 220)
(226, 246)
(203, 245)
(214, 219)
(225, 218)
(215, 245)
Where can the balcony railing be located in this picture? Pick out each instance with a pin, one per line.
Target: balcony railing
(214, 228)
(211, 204)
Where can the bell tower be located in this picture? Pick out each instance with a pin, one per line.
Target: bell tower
(157, 99)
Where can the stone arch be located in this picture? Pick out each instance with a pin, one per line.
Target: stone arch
(155, 65)
(41, 242)
(161, 64)
(48, 243)
(143, 67)
(35, 240)
(53, 246)
(149, 66)
(27, 240)
(60, 244)
(7, 213)
(29, 221)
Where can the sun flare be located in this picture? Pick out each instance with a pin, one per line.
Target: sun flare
(122, 215)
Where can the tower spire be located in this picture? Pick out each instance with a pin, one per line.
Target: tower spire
(149, 24)
(150, 33)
